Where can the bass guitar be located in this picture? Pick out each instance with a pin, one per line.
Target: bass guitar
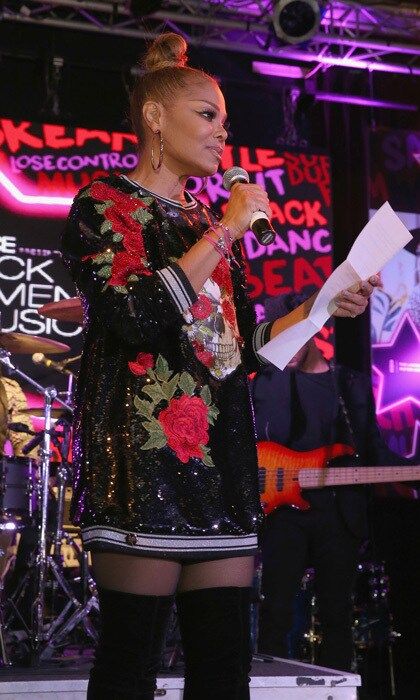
(283, 473)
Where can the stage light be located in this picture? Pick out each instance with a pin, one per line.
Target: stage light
(279, 70)
(295, 21)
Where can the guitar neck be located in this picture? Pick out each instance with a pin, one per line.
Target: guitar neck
(347, 476)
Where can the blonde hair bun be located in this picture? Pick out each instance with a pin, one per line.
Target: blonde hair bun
(169, 50)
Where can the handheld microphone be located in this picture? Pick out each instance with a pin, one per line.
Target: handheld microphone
(259, 224)
(40, 359)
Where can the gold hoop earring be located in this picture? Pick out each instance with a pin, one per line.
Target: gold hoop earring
(152, 158)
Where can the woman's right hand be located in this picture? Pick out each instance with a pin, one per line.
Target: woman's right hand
(244, 200)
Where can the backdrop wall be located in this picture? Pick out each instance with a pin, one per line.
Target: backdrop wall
(395, 309)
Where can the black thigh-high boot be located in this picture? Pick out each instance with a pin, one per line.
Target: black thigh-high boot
(130, 645)
(215, 633)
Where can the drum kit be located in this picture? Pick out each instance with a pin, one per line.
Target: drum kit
(27, 504)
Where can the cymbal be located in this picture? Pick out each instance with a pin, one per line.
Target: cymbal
(23, 344)
(64, 310)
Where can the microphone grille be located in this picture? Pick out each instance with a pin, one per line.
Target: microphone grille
(235, 174)
(37, 357)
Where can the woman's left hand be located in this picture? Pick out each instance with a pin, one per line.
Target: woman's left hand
(352, 303)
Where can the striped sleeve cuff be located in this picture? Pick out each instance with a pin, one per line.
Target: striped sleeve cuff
(260, 337)
(178, 286)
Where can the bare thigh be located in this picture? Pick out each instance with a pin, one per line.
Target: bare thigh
(138, 575)
(235, 571)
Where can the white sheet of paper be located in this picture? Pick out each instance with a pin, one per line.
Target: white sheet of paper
(292, 340)
(341, 278)
(382, 237)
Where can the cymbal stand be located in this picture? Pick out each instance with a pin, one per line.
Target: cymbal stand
(62, 478)
(69, 392)
(61, 627)
(79, 615)
(37, 632)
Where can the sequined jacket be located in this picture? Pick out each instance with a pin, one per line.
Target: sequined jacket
(164, 451)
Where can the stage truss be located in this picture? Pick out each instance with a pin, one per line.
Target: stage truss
(381, 37)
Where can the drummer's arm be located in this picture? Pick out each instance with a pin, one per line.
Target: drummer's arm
(16, 403)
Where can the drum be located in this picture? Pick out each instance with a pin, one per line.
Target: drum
(18, 493)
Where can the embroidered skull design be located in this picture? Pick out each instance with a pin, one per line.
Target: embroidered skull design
(213, 335)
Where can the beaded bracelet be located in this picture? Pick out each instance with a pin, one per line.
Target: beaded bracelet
(223, 245)
(218, 245)
(227, 236)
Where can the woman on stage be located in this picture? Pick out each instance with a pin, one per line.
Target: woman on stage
(166, 489)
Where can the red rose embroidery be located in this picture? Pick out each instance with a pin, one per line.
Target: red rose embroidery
(142, 363)
(185, 424)
(103, 192)
(133, 241)
(119, 210)
(202, 308)
(122, 222)
(229, 312)
(221, 275)
(203, 355)
(124, 265)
